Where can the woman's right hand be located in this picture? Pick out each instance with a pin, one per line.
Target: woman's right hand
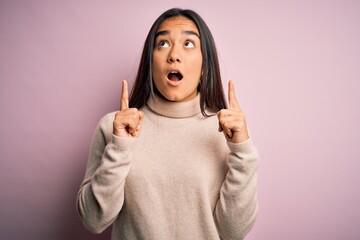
(128, 121)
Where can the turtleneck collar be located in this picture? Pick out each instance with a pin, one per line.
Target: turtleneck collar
(174, 109)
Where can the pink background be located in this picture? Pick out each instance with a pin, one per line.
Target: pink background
(296, 66)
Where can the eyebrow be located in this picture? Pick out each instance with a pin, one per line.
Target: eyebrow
(167, 32)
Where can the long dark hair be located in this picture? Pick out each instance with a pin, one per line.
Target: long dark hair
(211, 90)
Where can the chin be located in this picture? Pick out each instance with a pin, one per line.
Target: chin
(167, 96)
(175, 95)
(173, 98)
(180, 98)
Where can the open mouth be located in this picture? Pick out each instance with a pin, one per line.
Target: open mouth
(174, 76)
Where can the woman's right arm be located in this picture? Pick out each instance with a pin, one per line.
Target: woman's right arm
(101, 194)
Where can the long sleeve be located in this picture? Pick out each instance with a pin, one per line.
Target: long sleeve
(101, 194)
(178, 179)
(237, 207)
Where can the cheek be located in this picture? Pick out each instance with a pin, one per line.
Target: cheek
(198, 61)
(156, 74)
(155, 68)
(197, 66)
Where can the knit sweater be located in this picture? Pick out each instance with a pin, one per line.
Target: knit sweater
(179, 179)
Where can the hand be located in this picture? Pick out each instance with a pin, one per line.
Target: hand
(128, 121)
(232, 121)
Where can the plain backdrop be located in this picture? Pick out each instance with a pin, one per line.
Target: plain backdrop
(296, 67)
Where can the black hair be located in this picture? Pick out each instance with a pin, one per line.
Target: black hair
(210, 87)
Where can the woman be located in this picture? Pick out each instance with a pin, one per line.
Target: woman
(158, 168)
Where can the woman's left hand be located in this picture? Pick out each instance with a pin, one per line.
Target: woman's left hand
(232, 121)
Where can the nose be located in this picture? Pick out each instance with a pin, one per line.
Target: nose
(174, 56)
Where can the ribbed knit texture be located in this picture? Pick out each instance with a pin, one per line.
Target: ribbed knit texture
(178, 180)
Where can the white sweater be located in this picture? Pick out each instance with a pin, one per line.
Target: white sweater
(179, 179)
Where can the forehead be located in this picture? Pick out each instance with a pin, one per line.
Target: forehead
(178, 23)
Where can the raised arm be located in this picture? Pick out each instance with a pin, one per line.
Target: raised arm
(237, 207)
(101, 194)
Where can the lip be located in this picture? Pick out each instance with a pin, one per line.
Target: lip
(174, 83)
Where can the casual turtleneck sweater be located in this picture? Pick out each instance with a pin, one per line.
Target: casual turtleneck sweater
(179, 179)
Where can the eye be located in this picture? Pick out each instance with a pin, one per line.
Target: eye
(189, 44)
(163, 44)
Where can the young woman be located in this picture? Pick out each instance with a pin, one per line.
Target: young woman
(159, 168)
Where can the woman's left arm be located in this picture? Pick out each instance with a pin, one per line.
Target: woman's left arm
(237, 207)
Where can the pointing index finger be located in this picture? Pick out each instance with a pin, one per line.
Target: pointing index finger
(124, 101)
(233, 104)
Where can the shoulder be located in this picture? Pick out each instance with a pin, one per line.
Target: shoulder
(211, 116)
(105, 125)
(210, 112)
(107, 120)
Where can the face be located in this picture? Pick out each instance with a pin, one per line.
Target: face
(177, 59)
